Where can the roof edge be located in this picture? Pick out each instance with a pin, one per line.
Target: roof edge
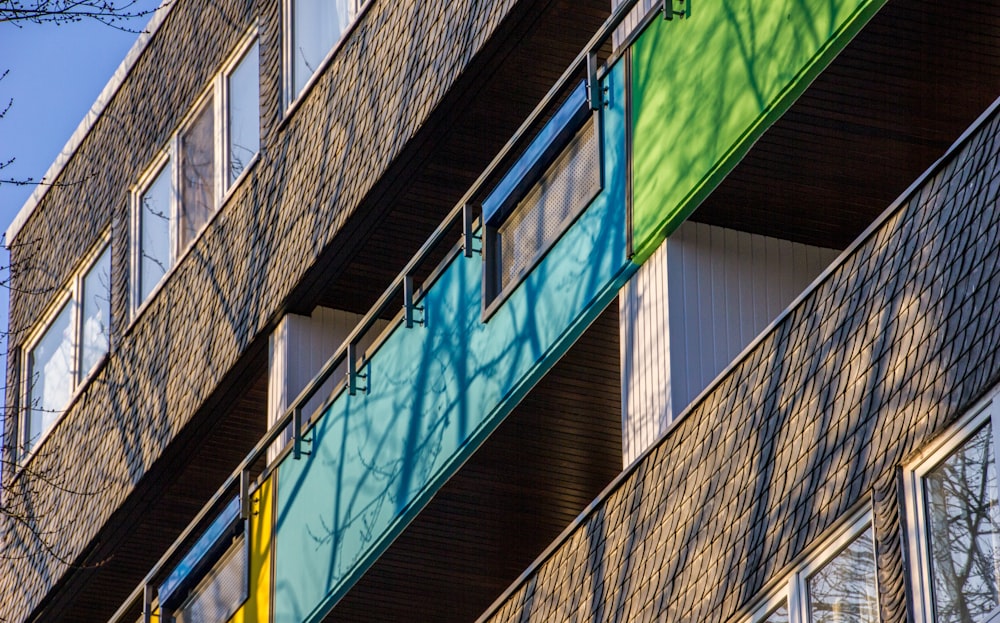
(89, 120)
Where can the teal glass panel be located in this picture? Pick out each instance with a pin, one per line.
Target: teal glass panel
(435, 392)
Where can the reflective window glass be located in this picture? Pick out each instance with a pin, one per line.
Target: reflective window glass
(50, 376)
(243, 114)
(96, 313)
(197, 156)
(155, 255)
(316, 27)
(962, 517)
(843, 590)
(778, 616)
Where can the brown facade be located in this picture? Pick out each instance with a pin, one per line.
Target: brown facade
(816, 420)
(179, 399)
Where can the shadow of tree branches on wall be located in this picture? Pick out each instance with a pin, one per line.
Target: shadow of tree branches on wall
(881, 356)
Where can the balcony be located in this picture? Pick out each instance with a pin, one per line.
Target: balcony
(471, 419)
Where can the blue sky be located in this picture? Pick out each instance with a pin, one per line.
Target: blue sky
(55, 73)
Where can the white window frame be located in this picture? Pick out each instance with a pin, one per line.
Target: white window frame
(71, 294)
(929, 458)
(221, 85)
(290, 98)
(793, 590)
(218, 93)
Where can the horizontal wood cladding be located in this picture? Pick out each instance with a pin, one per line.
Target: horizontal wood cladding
(190, 344)
(895, 344)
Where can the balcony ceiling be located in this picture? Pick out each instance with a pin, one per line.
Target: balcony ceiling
(498, 91)
(889, 106)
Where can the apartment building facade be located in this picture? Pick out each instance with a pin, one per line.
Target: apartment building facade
(516, 311)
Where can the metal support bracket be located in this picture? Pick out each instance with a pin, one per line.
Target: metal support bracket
(594, 96)
(408, 306)
(297, 433)
(468, 238)
(147, 604)
(245, 494)
(669, 11)
(353, 386)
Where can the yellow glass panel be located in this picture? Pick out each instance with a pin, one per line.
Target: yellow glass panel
(258, 604)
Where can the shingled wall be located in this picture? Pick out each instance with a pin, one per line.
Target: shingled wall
(316, 166)
(897, 341)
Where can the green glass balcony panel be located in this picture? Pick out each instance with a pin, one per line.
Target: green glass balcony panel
(707, 86)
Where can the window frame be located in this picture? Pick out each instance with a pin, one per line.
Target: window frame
(217, 538)
(289, 98)
(221, 83)
(216, 95)
(985, 413)
(70, 294)
(792, 589)
(545, 148)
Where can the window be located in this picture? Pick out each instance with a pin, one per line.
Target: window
(61, 356)
(555, 178)
(206, 158)
(197, 167)
(954, 524)
(212, 580)
(242, 114)
(312, 29)
(838, 585)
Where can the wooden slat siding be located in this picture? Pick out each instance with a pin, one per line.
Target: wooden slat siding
(645, 355)
(887, 107)
(631, 20)
(298, 348)
(691, 308)
(475, 127)
(189, 474)
(709, 322)
(258, 260)
(898, 341)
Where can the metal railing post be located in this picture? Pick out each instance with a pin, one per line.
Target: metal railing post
(408, 306)
(297, 433)
(147, 604)
(593, 84)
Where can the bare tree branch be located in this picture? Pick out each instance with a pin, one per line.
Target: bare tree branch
(108, 12)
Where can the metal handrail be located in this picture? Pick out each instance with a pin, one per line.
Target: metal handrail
(292, 415)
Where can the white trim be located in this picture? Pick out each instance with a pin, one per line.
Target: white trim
(793, 590)
(215, 94)
(70, 295)
(89, 120)
(984, 413)
(290, 100)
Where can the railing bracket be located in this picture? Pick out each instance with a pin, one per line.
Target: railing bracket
(353, 387)
(408, 305)
(468, 237)
(297, 433)
(147, 604)
(669, 11)
(245, 494)
(594, 94)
